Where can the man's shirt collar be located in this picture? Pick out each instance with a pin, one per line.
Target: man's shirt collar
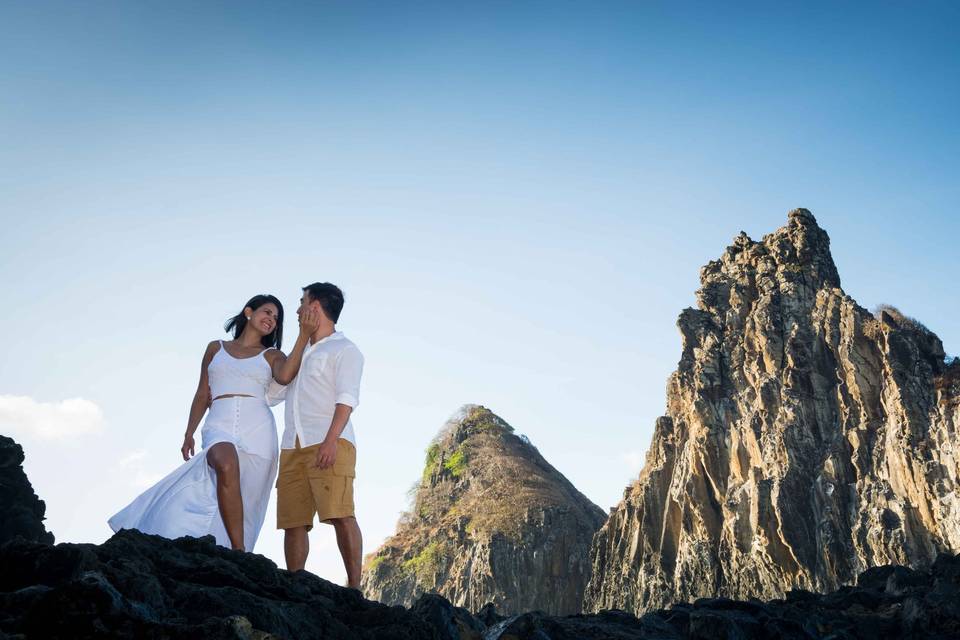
(336, 335)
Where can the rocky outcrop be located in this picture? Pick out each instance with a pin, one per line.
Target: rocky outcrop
(492, 521)
(21, 508)
(137, 587)
(805, 440)
(140, 586)
(888, 602)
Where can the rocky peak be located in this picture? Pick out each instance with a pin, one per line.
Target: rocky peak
(805, 440)
(798, 254)
(492, 521)
(447, 472)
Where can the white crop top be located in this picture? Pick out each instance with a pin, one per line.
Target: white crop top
(241, 376)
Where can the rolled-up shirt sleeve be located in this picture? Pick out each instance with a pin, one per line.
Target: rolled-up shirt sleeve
(276, 393)
(349, 371)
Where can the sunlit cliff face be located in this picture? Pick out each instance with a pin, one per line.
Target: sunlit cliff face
(805, 440)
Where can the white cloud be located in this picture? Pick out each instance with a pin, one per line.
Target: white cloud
(50, 420)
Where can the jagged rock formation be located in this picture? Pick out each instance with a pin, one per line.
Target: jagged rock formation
(492, 522)
(21, 508)
(805, 440)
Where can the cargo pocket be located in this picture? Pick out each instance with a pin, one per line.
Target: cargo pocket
(347, 499)
(344, 467)
(346, 461)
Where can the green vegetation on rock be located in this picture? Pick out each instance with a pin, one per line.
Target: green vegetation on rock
(425, 564)
(481, 419)
(457, 463)
(433, 458)
(375, 562)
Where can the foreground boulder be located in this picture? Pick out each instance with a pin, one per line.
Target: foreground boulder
(22, 511)
(140, 586)
(492, 522)
(805, 440)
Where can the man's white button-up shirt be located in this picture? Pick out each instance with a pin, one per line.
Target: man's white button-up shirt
(329, 375)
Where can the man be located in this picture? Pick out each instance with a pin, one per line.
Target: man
(318, 448)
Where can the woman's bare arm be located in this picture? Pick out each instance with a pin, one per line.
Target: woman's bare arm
(285, 368)
(201, 400)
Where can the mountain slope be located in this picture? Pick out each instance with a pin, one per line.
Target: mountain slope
(492, 522)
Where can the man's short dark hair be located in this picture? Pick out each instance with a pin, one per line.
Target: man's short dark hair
(329, 296)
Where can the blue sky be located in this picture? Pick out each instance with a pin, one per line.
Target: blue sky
(515, 197)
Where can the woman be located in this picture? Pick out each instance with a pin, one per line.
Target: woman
(224, 492)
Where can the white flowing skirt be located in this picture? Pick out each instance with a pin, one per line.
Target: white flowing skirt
(184, 503)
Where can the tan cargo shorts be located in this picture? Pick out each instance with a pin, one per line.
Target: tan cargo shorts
(304, 490)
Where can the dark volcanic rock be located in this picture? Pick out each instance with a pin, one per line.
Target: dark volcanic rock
(492, 522)
(140, 586)
(929, 610)
(21, 508)
(450, 621)
(806, 440)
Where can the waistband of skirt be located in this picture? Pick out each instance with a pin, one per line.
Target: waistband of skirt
(246, 406)
(260, 399)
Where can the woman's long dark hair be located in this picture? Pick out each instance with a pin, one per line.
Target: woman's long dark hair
(238, 322)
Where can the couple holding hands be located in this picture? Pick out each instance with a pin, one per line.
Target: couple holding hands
(225, 490)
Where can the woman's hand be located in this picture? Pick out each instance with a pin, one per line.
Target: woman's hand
(285, 368)
(187, 448)
(309, 321)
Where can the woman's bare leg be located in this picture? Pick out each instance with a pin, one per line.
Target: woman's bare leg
(223, 458)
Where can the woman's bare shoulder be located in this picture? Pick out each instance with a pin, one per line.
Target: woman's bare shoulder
(272, 354)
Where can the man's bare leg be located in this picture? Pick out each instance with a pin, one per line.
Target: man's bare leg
(296, 546)
(350, 542)
(222, 457)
